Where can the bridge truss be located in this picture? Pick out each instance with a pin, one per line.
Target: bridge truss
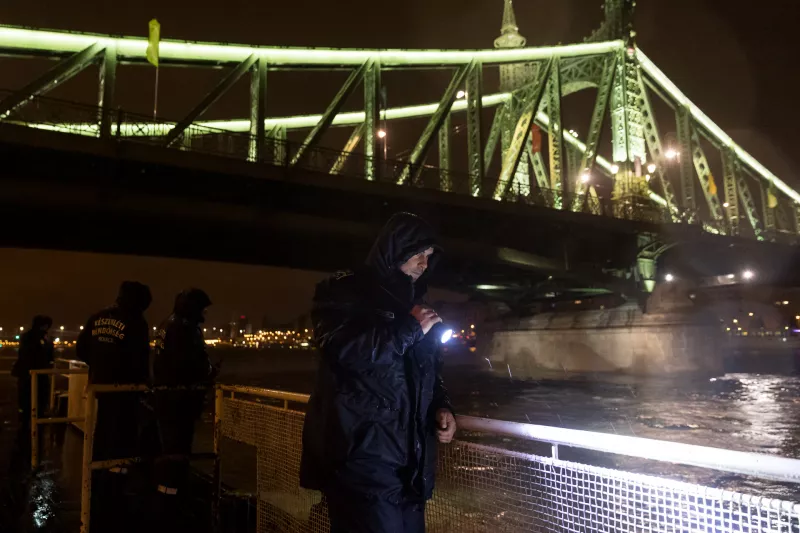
(647, 176)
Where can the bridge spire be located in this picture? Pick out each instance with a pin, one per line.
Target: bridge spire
(509, 31)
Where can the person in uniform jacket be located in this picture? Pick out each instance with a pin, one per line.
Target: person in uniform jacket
(179, 360)
(35, 352)
(115, 344)
(379, 405)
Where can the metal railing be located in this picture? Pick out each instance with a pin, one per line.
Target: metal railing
(483, 488)
(80, 119)
(479, 488)
(36, 420)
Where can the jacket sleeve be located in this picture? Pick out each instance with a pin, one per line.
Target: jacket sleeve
(356, 338)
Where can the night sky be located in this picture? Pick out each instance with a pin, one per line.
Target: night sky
(735, 60)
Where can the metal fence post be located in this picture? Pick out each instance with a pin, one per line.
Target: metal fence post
(215, 501)
(34, 419)
(52, 403)
(88, 445)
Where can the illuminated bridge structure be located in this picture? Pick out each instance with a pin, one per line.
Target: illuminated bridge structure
(645, 190)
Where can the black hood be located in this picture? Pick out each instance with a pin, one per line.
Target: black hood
(134, 296)
(403, 236)
(190, 304)
(41, 320)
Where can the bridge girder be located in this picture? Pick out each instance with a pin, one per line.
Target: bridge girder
(623, 75)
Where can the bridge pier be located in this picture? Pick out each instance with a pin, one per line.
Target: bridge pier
(670, 336)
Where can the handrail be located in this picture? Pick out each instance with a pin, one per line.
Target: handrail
(266, 393)
(71, 361)
(746, 463)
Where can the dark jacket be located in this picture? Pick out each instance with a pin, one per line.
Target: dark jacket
(115, 342)
(35, 350)
(370, 425)
(179, 356)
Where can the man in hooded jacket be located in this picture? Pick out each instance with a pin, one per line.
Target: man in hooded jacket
(179, 360)
(35, 352)
(115, 344)
(379, 405)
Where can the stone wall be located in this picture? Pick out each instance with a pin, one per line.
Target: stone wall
(678, 340)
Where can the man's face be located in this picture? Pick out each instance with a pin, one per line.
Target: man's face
(417, 265)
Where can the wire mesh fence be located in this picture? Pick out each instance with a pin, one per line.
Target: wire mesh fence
(484, 489)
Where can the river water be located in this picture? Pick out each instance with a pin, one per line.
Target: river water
(745, 412)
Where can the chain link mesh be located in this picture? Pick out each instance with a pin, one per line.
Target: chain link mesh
(483, 489)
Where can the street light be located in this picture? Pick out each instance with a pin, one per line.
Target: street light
(651, 168)
(748, 274)
(61, 328)
(670, 154)
(381, 134)
(726, 205)
(669, 278)
(585, 177)
(614, 169)
(461, 94)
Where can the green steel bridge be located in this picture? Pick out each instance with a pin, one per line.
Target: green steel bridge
(516, 147)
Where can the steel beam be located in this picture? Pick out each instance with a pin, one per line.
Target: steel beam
(351, 144)
(730, 171)
(61, 72)
(539, 169)
(258, 109)
(417, 158)
(534, 93)
(595, 127)
(335, 106)
(372, 98)
(213, 95)
(106, 85)
(720, 137)
(749, 204)
(474, 96)
(491, 143)
(704, 175)
(652, 137)
(280, 152)
(684, 126)
(766, 211)
(558, 174)
(796, 212)
(132, 50)
(445, 178)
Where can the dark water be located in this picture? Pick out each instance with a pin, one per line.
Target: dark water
(746, 412)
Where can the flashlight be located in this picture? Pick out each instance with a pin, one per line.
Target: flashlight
(442, 332)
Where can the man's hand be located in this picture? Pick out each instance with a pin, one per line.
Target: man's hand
(426, 317)
(445, 425)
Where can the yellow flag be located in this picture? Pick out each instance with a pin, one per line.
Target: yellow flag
(153, 38)
(772, 200)
(712, 185)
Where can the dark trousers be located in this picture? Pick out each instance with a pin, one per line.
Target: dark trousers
(176, 414)
(351, 513)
